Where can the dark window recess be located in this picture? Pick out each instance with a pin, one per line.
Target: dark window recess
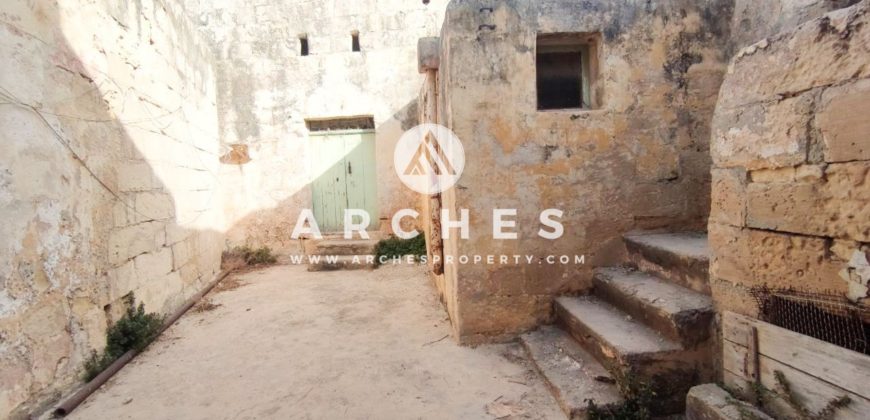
(354, 42)
(560, 83)
(303, 46)
(346, 123)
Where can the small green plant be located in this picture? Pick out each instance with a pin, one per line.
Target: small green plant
(395, 247)
(638, 397)
(132, 332)
(251, 256)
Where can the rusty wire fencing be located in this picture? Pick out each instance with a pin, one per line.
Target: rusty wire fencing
(825, 316)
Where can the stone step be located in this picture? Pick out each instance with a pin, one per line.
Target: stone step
(682, 258)
(633, 350)
(343, 262)
(710, 402)
(678, 313)
(572, 374)
(343, 247)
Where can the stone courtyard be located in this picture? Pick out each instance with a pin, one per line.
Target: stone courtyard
(606, 209)
(287, 343)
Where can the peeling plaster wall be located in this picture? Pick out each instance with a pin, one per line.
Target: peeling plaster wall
(791, 153)
(640, 161)
(266, 90)
(108, 163)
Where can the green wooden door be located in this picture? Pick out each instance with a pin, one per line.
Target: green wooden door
(345, 177)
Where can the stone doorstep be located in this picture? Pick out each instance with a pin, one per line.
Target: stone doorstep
(343, 262)
(344, 247)
(682, 258)
(710, 402)
(679, 313)
(572, 374)
(619, 342)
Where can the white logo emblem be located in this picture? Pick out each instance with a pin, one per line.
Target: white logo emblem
(429, 158)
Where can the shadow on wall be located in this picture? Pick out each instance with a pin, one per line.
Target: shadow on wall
(94, 156)
(273, 226)
(109, 183)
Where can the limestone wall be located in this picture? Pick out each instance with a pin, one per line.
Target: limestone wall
(755, 20)
(108, 164)
(266, 91)
(791, 153)
(639, 161)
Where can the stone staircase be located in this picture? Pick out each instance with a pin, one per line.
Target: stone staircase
(650, 320)
(336, 253)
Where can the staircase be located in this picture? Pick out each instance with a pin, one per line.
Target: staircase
(649, 319)
(336, 253)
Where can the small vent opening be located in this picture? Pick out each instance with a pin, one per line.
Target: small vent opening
(354, 42)
(303, 45)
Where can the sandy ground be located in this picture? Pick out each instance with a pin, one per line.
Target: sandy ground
(289, 344)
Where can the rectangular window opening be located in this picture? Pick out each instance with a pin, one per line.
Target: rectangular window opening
(303, 45)
(354, 40)
(566, 71)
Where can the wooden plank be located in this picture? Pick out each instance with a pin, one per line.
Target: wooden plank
(847, 369)
(329, 189)
(814, 393)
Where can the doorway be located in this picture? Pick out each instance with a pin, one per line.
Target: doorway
(345, 176)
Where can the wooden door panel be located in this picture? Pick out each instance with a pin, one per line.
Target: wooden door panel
(345, 177)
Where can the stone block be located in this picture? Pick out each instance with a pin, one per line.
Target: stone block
(489, 315)
(710, 402)
(135, 176)
(786, 260)
(154, 206)
(162, 294)
(763, 135)
(176, 233)
(181, 254)
(818, 53)
(837, 208)
(773, 175)
(154, 265)
(122, 280)
(731, 259)
(843, 122)
(728, 196)
(128, 242)
(734, 297)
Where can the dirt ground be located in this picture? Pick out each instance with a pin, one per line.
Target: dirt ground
(284, 343)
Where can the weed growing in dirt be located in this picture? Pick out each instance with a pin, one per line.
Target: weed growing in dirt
(251, 256)
(395, 247)
(638, 397)
(132, 332)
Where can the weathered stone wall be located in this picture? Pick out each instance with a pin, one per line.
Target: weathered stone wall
(791, 153)
(266, 91)
(755, 20)
(640, 161)
(108, 165)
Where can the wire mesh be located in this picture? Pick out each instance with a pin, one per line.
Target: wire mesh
(825, 316)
